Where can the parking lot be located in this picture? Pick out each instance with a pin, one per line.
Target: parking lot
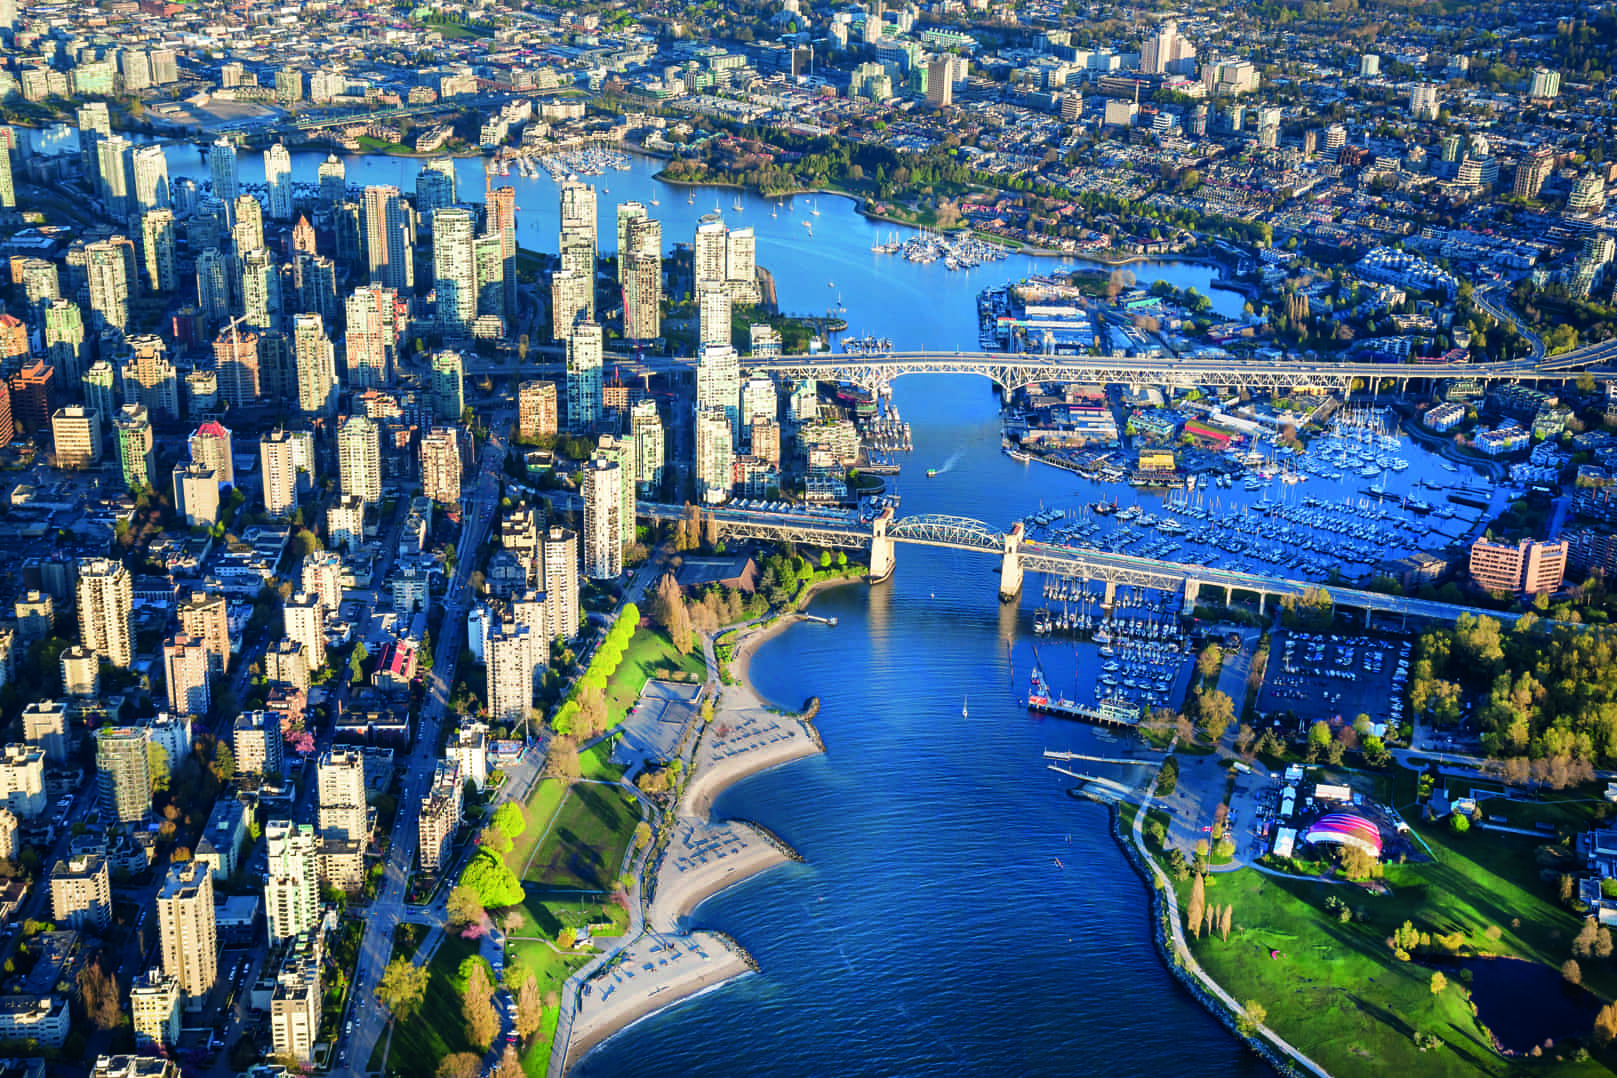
(1336, 677)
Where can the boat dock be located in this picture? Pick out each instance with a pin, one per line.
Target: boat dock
(1052, 754)
(818, 618)
(1107, 785)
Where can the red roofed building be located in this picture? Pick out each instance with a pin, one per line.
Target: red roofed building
(210, 447)
(396, 667)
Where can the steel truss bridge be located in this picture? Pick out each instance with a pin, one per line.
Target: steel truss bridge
(1020, 555)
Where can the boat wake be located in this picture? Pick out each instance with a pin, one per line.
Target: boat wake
(954, 458)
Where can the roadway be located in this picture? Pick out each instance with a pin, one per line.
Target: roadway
(388, 910)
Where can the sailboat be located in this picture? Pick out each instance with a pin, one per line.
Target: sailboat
(964, 713)
(814, 207)
(691, 198)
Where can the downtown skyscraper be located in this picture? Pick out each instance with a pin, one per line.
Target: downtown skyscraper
(387, 239)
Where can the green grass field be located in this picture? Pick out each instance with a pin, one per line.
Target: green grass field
(438, 1030)
(546, 917)
(585, 846)
(541, 808)
(1339, 993)
(650, 655)
(596, 761)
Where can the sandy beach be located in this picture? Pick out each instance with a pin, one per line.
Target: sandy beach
(647, 976)
(666, 963)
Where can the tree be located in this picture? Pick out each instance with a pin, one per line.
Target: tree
(460, 1065)
(1195, 909)
(566, 938)
(465, 907)
(509, 819)
(562, 761)
(1459, 823)
(477, 1005)
(1606, 1024)
(1438, 983)
(98, 992)
(530, 1013)
(1209, 661)
(1254, 1017)
(1214, 712)
(1168, 776)
(1224, 922)
(1571, 972)
(403, 988)
(224, 762)
(1319, 738)
(492, 838)
(492, 880)
(510, 1065)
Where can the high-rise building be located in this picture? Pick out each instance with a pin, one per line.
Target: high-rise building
(295, 1002)
(629, 214)
(105, 596)
(157, 246)
(718, 385)
(1532, 170)
(213, 286)
(81, 672)
(278, 460)
(154, 1007)
(940, 82)
(112, 169)
(741, 262)
(435, 187)
(578, 234)
(108, 277)
(81, 892)
(123, 773)
(488, 252)
(222, 167)
(255, 740)
(469, 749)
(211, 444)
(708, 251)
(303, 619)
(440, 466)
(132, 430)
(22, 781)
(359, 463)
(559, 561)
(316, 367)
(247, 234)
(203, 615)
(1423, 101)
(500, 219)
(603, 529)
(150, 379)
(387, 239)
(278, 180)
(508, 667)
(64, 340)
(45, 725)
(76, 436)
(372, 340)
(185, 666)
(332, 176)
(448, 386)
(536, 409)
(342, 819)
(185, 922)
(196, 494)
(1544, 83)
(713, 316)
(345, 523)
(454, 271)
(570, 302)
(292, 881)
(286, 663)
(646, 434)
(440, 816)
(584, 377)
(8, 185)
(714, 456)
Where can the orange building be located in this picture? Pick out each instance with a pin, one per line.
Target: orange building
(1526, 568)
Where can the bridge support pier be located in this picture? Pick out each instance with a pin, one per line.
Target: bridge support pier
(881, 548)
(1111, 595)
(1010, 566)
(1192, 589)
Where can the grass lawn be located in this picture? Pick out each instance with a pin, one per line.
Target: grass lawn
(541, 808)
(1339, 993)
(438, 1030)
(596, 761)
(650, 654)
(585, 847)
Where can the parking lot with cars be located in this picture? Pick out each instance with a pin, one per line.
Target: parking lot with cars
(1336, 677)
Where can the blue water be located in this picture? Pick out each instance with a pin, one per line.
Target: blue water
(931, 930)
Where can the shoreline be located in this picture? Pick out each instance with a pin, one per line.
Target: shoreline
(667, 963)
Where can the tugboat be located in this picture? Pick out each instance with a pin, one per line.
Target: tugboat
(931, 473)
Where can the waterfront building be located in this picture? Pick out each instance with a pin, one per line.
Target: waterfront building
(278, 181)
(435, 188)
(222, 168)
(187, 930)
(500, 219)
(1525, 568)
(488, 252)
(332, 178)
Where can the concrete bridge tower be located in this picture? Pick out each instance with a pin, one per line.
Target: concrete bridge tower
(881, 547)
(1010, 567)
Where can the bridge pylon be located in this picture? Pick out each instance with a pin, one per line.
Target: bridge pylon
(881, 547)
(1010, 566)
(1192, 589)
